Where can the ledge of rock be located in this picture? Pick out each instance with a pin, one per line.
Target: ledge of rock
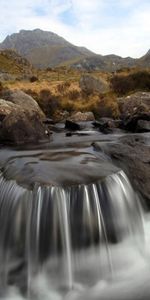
(132, 154)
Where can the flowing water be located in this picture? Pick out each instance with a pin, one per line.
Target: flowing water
(75, 232)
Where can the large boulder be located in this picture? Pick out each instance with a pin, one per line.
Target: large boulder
(136, 103)
(134, 109)
(89, 85)
(19, 127)
(25, 102)
(132, 154)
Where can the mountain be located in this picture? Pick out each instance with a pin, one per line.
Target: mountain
(145, 60)
(44, 49)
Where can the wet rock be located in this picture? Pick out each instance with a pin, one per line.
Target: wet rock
(103, 126)
(82, 117)
(89, 84)
(72, 125)
(132, 154)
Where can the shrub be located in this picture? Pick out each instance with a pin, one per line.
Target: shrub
(33, 78)
(48, 102)
(73, 94)
(1, 87)
(122, 85)
(61, 88)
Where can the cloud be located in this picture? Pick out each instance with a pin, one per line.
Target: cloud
(104, 26)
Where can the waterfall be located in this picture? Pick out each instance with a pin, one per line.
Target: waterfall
(51, 228)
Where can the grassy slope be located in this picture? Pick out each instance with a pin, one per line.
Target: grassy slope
(13, 64)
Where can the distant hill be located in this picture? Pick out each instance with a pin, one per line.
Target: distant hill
(106, 63)
(46, 49)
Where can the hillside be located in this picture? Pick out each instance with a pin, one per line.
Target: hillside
(144, 61)
(44, 49)
(13, 64)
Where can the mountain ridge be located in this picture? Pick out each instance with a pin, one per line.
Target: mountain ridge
(45, 49)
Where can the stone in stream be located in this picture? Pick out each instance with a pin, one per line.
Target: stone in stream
(72, 125)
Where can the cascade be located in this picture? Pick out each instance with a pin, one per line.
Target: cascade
(61, 230)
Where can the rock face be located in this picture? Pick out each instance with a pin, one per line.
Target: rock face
(90, 84)
(21, 120)
(135, 110)
(132, 154)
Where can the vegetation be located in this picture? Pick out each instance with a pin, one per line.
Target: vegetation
(137, 81)
(57, 90)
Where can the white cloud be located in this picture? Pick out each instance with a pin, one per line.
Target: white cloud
(104, 26)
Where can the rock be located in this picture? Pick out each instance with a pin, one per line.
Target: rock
(131, 122)
(82, 117)
(48, 121)
(106, 125)
(6, 108)
(132, 154)
(134, 108)
(102, 126)
(21, 120)
(108, 122)
(25, 101)
(143, 126)
(90, 85)
(137, 103)
(72, 125)
(20, 128)
(6, 76)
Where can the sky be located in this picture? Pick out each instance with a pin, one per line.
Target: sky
(120, 27)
